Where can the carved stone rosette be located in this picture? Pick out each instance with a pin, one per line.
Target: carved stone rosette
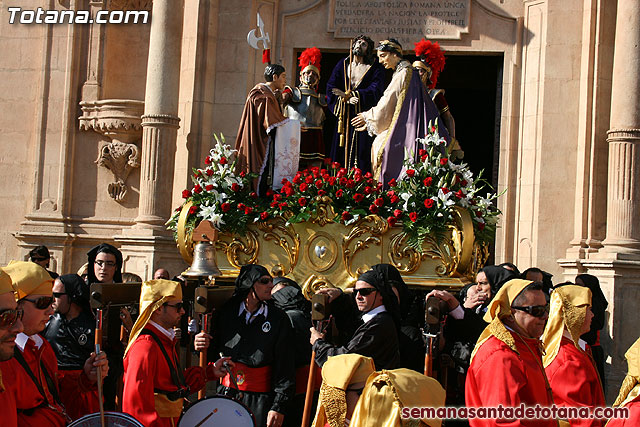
(120, 121)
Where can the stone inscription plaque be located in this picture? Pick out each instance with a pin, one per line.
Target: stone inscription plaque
(406, 21)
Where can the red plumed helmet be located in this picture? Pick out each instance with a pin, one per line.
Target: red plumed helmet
(431, 54)
(310, 58)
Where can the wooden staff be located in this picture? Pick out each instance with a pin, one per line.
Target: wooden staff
(308, 398)
(98, 344)
(203, 354)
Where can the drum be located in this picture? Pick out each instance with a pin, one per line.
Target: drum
(111, 419)
(217, 411)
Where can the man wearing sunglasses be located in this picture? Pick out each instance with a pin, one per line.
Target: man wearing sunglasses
(10, 327)
(35, 367)
(154, 384)
(377, 336)
(506, 365)
(71, 333)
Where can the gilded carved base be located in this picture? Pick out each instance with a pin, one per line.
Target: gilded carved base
(321, 253)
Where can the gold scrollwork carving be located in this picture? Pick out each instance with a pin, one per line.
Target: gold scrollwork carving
(313, 284)
(324, 214)
(463, 239)
(398, 250)
(289, 240)
(237, 246)
(373, 225)
(184, 237)
(480, 257)
(443, 250)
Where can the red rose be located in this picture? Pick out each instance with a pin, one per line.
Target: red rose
(327, 161)
(373, 209)
(309, 179)
(350, 183)
(243, 174)
(392, 183)
(253, 194)
(319, 183)
(193, 209)
(248, 210)
(428, 181)
(443, 161)
(413, 216)
(342, 172)
(303, 186)
(368, 175)
(225, 207)
(335, 165)
(357, 177)
(343, 181)
(322, 193)
(332, 180)
(445, 190)
(274, 204)
(411, 172)
(282, 206)
(339, 193)
(208, 187)
(397, 213)
(264, 215)
(346, 216)
(481, 226)
(368, 190)
(428, 203)
(464, 183)
(358, 197)
(479, 214)
(223, 160)
(302, 201)
(241, 206)
(277, 197)
(424, 158)
(209, 172)
(422, 152)
(197, 189)
(394, 199)
(392, 221)
(297, 179)
(459, 194)
(391, 193)
(379, 201)
(186, 194)
(235, 186)
(207, 160)
(288, 191)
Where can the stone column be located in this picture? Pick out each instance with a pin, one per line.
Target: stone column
(160, 120)
(623, 205)
(148, 245)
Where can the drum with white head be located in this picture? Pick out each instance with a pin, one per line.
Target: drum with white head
(217, 411)
(111, 419)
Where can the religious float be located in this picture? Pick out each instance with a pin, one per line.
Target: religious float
(327, 224)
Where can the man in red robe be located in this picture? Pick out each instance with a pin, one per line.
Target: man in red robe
(154, 384)
(629, 396)
(506, 364)
(35, 368)
(572, 373)
(10, 326)
(261, 118)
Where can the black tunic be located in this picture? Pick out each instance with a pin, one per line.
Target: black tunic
(256, 345)
(377, 338)
(73, 340)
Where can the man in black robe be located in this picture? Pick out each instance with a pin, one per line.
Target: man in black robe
(377, 336)
(258, 337)
(346, 100)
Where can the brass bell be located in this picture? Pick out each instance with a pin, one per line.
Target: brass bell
(204, 261)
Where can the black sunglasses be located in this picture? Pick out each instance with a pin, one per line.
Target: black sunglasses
(41, 303)
(265, 280)
(9, 317)
(178, 306)
(364, 291)
(59, 294)
(534, 310)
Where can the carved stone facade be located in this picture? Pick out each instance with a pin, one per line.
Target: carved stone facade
(145, 99)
